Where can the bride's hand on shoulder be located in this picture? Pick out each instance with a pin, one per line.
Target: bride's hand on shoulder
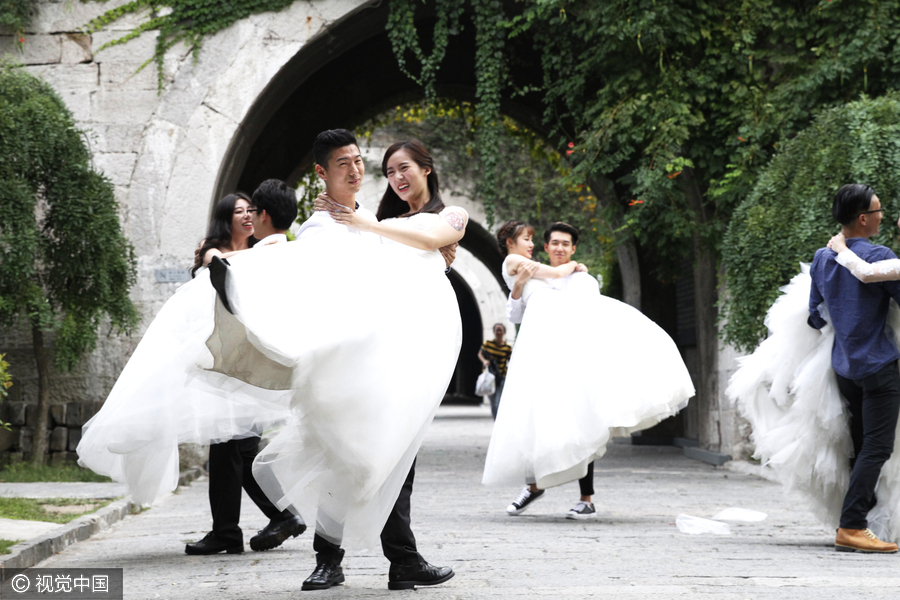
(838, 243)
(324, 203)
(581, 268)
(350, 218)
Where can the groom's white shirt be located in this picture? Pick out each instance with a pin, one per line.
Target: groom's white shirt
(271, 239)
(320, 220)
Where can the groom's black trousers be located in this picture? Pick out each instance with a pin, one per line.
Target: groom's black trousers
(397, 539)
(873, 403)
(230, 469)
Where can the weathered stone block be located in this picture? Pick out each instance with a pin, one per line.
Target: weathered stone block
(89, 409)
(121, 76)
(68, 79)
(72, 16)
(123, 107)
(73, 415)
(59, 438)
(135, 52)
(74, 438)
(76, 48)
(57, 415)
(118, 167)
(125, 137)
(17, 413)
(25, 439)
(30, 414)
(37, 49)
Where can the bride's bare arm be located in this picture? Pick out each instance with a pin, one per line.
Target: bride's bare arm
(542, 271)
(449, 230)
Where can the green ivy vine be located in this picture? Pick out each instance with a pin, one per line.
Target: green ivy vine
(490, 35)
(188, 21)
(405, 38)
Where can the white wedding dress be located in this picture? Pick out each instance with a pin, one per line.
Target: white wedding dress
(350, 339)
(585, 367)
(788, 392)
(367, 332)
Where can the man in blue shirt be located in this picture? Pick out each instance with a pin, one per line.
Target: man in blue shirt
(864, 358)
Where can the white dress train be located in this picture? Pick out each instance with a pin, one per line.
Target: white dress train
(350, 340)
(584, 367)
(788, 392)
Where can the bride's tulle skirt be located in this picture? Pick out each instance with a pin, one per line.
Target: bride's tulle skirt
(788, 392)
(165, 396)
(585, 367)
(349, 342)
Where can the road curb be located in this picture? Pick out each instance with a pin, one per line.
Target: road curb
(31, 552)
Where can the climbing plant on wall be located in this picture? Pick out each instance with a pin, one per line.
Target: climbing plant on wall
(787, 216)
(187, 21)
(16, 15)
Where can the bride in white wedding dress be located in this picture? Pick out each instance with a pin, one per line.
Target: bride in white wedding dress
(584, 367)
(788, 390)
(324, 336)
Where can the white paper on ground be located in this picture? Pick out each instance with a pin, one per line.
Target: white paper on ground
(734, 513)
(697, 525)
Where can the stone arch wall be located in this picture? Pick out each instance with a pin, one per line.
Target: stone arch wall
(167, 153)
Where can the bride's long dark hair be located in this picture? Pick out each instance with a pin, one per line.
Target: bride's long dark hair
(219, 233)
(391, 205)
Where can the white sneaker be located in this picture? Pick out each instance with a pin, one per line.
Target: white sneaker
(519, 505)
(582, 510)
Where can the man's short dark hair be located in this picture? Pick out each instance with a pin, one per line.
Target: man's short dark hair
(328, 141)
(851, 201)
(564, 228)
(278, 200)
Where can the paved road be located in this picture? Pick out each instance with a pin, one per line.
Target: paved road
(632, 550)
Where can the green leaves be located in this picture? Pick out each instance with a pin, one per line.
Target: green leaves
(64, 263)
(188, 21)
(787, 215)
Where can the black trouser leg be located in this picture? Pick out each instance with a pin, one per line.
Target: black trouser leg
(225, 471)
(397, 539)
(873, 403)
(249, 448)
(327, 552)
(586, 483)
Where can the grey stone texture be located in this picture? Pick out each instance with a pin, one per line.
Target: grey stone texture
(632, 550)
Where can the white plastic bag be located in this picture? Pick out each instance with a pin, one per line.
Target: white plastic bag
(696, 525)
(486, 384)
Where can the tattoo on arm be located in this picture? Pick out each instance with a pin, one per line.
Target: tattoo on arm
(455, 220)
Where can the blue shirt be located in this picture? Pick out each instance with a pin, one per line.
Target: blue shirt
(862, 345)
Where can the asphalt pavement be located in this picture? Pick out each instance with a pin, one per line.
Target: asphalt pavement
(632, 549)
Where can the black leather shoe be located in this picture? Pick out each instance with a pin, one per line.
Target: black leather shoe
(407, 577)
(218, 268)
(325, 576)
(274, 534)
(210, 544)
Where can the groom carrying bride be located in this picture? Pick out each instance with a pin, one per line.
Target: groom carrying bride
(864, 358)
